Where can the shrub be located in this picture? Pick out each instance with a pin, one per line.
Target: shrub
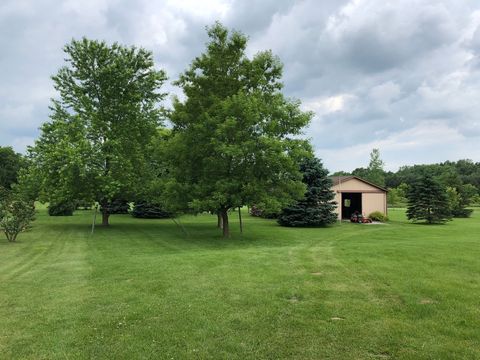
(462, 212)
(118, 206)
(62, 208)
(146, 210)
(83, 205)
(378, 216)
(15, 217)
(263, 213)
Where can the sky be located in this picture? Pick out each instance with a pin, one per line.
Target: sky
(402, 76)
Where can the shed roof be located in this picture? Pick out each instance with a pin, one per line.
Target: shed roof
(342, 179)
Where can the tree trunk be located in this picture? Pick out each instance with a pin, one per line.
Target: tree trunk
(226, 229)
(240, 219)
(219, 220)
(105, 216)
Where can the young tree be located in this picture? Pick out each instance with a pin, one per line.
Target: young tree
(233, 141)
(460, 198)
(317, 208)
(15, 215)
(375, 172)
(427, 200)
(108, 110)
(397, 196)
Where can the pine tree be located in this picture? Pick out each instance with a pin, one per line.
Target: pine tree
(427, 200)
(317, 208)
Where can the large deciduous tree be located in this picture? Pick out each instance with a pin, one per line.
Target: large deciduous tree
(317, 208)
(101, 124)
(234, 135)
(428, 200)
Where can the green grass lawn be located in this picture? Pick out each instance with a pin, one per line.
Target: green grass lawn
(142, 289)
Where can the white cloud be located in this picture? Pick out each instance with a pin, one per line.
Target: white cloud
(402, 76)
(326, 105)
(422, 143)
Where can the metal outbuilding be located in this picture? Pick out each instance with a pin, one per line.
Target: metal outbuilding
(356, 194)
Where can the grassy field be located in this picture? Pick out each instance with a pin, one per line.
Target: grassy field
(142, 289)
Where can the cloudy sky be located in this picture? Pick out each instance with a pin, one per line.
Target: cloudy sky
(402, 75)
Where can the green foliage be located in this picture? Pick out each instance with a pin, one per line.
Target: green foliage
(374, 173)
(378, 216)
(475, 200)
(459, 200)
(95, 145)
(467, 193)
(61, 208)
(453, 198)
(341, 173)
(452, 174)
(427, 200)
(83, 205)
(235, 136)
(117, 206)
(15, 216)
(147, 210)
(317, 208)
(397, 197)
(257, 211)
(10, 165)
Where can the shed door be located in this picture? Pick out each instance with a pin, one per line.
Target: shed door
(351, 202)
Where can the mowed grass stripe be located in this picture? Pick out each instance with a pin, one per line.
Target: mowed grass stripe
(143, 289)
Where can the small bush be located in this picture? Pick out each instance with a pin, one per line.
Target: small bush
(83, 205)
(462, 212)
(263, 213)
(378, 216)
(147, 210)
(15, 217)
(64, 208)
(118, 206)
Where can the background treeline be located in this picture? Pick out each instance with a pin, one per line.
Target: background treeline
(459, 179)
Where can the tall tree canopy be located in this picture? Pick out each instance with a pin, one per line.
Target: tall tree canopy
(95, 143)
(234, 136)
(317, 208)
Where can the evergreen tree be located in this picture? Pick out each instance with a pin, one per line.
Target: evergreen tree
(317, 208)
(427, 200)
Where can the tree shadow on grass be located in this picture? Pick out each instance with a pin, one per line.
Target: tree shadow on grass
(424, 223)
(174, 236)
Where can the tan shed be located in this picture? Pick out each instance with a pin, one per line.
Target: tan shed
(355, 194)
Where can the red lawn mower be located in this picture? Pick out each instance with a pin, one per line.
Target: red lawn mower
(358, 218)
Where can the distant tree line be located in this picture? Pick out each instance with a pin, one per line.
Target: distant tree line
(456, 185)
